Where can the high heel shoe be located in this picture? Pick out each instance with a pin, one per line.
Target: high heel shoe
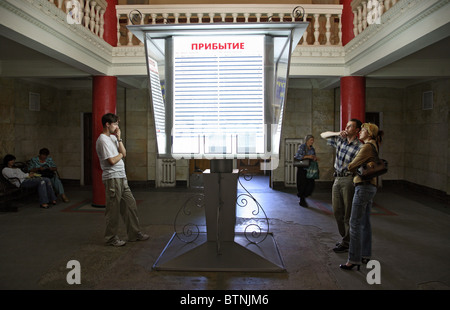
(349, 267)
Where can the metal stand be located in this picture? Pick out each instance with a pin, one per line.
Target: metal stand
(220, 248)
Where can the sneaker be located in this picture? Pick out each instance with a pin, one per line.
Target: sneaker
(340, 248)
(141, 236)
(117, 243)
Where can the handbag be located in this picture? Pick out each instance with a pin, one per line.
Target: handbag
(47, 173)
(372, 169)
(313, 170)
(304, 163)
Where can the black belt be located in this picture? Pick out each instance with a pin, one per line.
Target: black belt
(364, 183)
(341, 174)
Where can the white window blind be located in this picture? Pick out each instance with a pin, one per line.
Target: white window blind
(218, 94)
(158, 104)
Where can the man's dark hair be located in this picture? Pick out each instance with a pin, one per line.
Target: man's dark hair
(109, 118)
(358, 123)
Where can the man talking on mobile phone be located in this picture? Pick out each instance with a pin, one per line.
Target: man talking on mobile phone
(119, 199)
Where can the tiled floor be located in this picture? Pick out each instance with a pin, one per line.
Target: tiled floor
(411, 235)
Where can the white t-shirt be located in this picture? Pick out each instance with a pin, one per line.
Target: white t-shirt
(107, 147)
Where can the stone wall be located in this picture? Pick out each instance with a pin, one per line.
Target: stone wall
(139, 140)
(416, 141)
(55, 126)
(426, 136)
(390, 103)
(7, 117)
(308, 111)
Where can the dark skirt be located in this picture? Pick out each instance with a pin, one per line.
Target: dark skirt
(305, 186)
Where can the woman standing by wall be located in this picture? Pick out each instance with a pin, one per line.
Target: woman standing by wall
(305, 186)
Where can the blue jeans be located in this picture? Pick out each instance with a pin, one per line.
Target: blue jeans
(57, 185)
(360, 229)
(44, 186)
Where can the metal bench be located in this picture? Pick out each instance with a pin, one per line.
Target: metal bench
(9, 192)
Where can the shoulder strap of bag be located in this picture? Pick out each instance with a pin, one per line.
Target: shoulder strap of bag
(377, 158)
(375, 149)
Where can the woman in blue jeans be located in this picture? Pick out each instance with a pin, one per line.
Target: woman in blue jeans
(29, 180)
(360, 249)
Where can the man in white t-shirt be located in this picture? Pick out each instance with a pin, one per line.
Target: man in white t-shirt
(119, 199)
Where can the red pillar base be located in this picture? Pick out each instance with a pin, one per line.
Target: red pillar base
(353, 99)
(104, 96)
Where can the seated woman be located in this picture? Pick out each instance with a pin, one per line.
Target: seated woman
(44, 165)
(29, 180)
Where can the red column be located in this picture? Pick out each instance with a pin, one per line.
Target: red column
(353, 99)
(347, 21)
(104, 97)
(110, 26)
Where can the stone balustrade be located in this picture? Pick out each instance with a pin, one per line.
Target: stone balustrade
(325, 20)
(367, 12)
(325, 27)
(87, 13)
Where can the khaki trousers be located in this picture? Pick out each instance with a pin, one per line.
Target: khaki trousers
(342, 198)
(120, 202)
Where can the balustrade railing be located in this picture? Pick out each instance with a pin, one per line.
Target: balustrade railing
(325, 20)
(367, 12)
(85, 12)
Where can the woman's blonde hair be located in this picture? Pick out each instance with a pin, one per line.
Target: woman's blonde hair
(373, 131)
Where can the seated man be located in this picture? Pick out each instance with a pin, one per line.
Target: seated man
(44, 165)
(29, 180)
